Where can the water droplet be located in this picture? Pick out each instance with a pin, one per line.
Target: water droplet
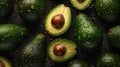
(86, 26)
(29, 10)
(32, 7)
(3, 39)
(22, 33)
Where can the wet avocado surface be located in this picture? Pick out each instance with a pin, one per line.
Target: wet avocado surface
(69, 34)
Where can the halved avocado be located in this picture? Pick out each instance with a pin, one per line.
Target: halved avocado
(58, 20)
(108, 59)
(77, 63)
(4, 62)
(81, 4)
(61, 50)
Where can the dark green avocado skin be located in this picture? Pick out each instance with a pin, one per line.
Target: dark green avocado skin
(5, 8)
(31, 10)
(114, 36)
(108, 60)
(33, 53)
(77, 63)
(108, 9)
(87, 33)
(10, 35)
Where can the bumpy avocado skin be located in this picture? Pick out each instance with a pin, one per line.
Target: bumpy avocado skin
(5, 8)
(113, 36)
(33, 53)
(87, 33)
(108, 60)
(10, 35)
(108, 9)
(31, 10)
(70, 53)
(77, 63)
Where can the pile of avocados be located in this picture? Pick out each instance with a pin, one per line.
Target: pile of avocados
(59, 33)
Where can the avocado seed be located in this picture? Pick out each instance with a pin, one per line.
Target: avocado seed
(2, 64)
(59, 50)
(58, 21)
(81, 1)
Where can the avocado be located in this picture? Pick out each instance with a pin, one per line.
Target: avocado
(80, 4)
(107, 9)
(58, 20)
(31, 10)
(87, 33)
(114, 36)
(5, 62)
(108, 59)
(61, 50)
(5, 8)
(33, 53)
(77, 63)
(10, 35)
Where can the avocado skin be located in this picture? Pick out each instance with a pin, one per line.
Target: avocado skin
(77, 63)
(108, 9)
(88, 34)
(33, 53)
(5, 8)
(10, 34)
(31, 10)
(108, 59)
(114, 36)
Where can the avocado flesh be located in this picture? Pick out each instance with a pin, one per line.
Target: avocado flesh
(60, 9)
(77, 63)
(113, 36)
(108, 60)
(81, 4)
(4, 62)
(88, 34)
(33, 53)
(70, 52)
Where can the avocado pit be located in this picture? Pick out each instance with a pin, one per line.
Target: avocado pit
(2, 64)
(60, 50)
(81, 1)
(58, 21)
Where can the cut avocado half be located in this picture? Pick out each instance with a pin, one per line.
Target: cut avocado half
(77, 63)
(58, 20)
(4, 62)
(61, 50)
(81, 4)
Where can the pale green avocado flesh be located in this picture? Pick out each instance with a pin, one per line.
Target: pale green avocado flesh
(58, 10)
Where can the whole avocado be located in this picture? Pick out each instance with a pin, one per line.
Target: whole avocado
(108, 59)
(10, 35)
(31, 10)
(5, 8)
(33, 53)
(78, 63)
(114, 37)
(108, 10)
(87, 33)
